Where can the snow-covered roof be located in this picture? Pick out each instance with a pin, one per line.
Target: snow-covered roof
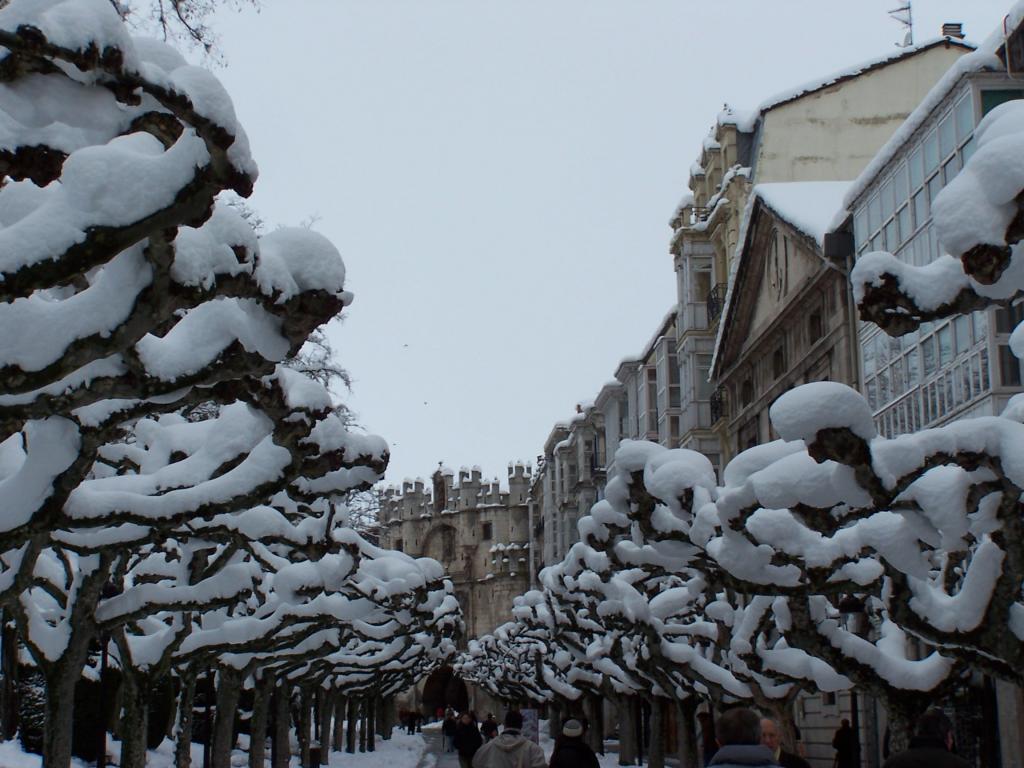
(855, 70)
(745, 120)
(983, 59)
(809, 206)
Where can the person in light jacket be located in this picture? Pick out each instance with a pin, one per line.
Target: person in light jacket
(510, 749)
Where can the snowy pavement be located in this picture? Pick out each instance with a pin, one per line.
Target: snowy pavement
(402, 750)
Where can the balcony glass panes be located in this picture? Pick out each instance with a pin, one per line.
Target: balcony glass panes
(963, 116)
(916, 168)
(932, 375)
(945, 337)
(900, 190)
(885, 203)
(906, 226)
(913, 377)
(931, 152)
(962, 329)
(951, 169)
(874, 213)
(1009, 367)
(920, 208)
(947, 135)
(980, 322)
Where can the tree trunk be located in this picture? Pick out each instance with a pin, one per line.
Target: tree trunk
(362, 724)
(592, 711)
(229, 688)
(9, 670)
(656, 746)
(353, 717)
(262, 693)
(326, 711)
(555, 718)
(60, 699)
(186, 714)
(627, 730)
(686, 732)
(902, 712)
(135, 706)
(304, 725)
(387, 715)
(281, 751)
(338, 740)
(372, 706)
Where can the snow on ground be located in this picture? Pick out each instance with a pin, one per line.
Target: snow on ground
(401, 751)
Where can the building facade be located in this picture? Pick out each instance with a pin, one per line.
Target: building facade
(788, 317)
(478, 532)
(570, 479)
(826, 130)
(954, 368)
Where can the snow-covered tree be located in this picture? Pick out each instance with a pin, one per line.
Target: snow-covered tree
(167, 483)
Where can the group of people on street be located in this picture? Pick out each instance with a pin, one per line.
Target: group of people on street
(746, 740)
(484, 747)
(739, 739)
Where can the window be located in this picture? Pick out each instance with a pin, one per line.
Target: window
(815, 329)
(486, 531)
(993, 98)
(703, 370)
(746, 392)
(1009, 367)
(701, 283)
(778, 363)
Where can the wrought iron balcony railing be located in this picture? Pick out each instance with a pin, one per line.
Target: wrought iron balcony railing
(715, 302)
(718, 405)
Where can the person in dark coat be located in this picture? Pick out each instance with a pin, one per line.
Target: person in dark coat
(844, 742)
(931, 745)
(571, 751)
(489, 727)
(739, 741)
(448, 727)
(467, 739)
(771, 737)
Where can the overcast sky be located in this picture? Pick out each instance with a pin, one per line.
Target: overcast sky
(499, 176)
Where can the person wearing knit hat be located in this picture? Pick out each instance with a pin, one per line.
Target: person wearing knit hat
(571, 751)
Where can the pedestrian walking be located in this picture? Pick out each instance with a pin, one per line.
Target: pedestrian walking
(771, 737)
(467, 739)
(489, 727)
(931, 745)
(510, 749)
(739, 741)
(448, 726)
(844, 742)
(571, 751)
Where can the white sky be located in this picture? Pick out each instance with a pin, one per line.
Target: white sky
(499, 175)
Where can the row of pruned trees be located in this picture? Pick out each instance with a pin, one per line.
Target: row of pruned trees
(171, 491)
(828, 559)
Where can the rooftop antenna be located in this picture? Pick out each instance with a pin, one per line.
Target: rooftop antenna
(905, 16)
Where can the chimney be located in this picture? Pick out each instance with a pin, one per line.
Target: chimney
(953, 29)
